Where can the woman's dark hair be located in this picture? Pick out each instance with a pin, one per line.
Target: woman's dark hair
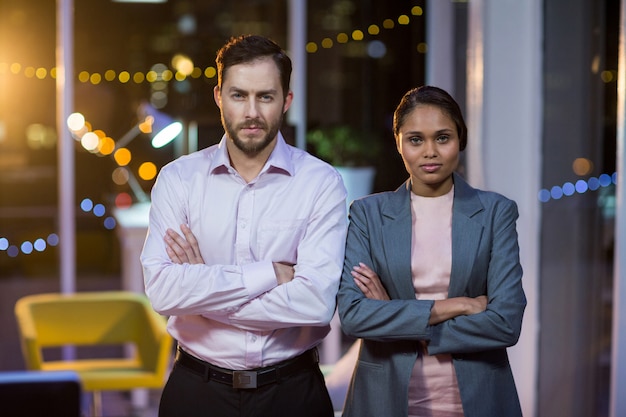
(431, 96)
(248, 48)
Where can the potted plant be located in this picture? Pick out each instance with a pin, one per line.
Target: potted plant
(351, 152)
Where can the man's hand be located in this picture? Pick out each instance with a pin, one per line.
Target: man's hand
(284, 272)
(369, 282)
(182, 249)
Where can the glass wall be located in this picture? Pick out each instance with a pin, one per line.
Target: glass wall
(362, 56)
(577, 231)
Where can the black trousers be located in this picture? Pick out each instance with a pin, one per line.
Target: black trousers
(303, 394)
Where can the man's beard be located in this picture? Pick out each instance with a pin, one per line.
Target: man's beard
(252, 148)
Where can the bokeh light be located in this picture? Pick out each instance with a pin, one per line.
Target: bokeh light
(90, 141)
(123, 200)
(120, 176)
(582, 166)
(147, 171)
(122, 156)
(86, 205)
(581, 186)
(99, 210)
(75, 121)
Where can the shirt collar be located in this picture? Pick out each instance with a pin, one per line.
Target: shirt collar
(279, 160)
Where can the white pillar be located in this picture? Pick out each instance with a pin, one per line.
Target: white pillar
(297, 29)
(440, 41)
(65, 105)
(504, 123)
(618, 357)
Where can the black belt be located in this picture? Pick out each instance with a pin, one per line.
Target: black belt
(248, 379)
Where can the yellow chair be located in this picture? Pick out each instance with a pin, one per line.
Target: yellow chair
(93, 319)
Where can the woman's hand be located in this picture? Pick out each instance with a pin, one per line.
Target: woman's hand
(450, 308)
(369, 282)
(182, 249)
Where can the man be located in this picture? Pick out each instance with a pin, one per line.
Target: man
(244, 253)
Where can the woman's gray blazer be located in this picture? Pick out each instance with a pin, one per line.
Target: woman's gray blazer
(485, 261)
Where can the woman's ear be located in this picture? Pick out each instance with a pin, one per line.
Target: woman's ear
(398, 144)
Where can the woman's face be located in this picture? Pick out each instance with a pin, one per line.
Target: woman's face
(429, 145)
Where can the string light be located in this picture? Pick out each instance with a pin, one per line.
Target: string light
(183, 67)
(581, 186)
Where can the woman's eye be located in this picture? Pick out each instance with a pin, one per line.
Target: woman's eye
(443, 138)
(415, 140)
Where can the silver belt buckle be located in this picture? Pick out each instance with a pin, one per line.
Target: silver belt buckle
(244, 379)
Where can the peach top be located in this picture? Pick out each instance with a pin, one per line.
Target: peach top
(433, 389)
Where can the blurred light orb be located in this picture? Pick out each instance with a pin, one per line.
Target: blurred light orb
(147, 171)
(182, 64)
(99, 210)
(357, 35)
(123, 77)
(581, 186)
(376, 49)
(343, 38)
(109, 223)
(388, 24)
(122, 156)
(211, 72)
(109, 75)
(27, 248)
(40, 245)
(39, 136)
(158, 99)
(53, 239)
(90, 141)
(568, 189)
(86, 205)
(183, 86)
(187, 24)
(106, 146)
(120, 176)
(582, 166)
(75, 121)
(123, 200)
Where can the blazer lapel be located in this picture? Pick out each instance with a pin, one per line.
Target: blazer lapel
(396, 244)
(466, 235)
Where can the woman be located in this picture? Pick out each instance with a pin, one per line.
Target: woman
(432, 280)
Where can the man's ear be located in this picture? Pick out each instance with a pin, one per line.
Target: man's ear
(288, 100)
(217, 96)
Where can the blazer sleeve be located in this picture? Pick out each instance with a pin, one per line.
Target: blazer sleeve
(397, 319)
(499, 326)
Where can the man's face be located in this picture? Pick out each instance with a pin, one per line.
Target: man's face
(252, 105)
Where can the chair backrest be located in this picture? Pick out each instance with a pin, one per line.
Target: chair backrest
(90, 319)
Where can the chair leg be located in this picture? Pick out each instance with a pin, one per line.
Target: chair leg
(96, 404)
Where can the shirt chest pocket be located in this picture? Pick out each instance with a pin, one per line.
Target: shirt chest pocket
(278, 240)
